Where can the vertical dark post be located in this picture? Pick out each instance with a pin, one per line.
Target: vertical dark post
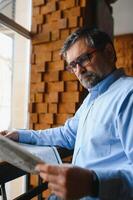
(98, 14)
(3, 191)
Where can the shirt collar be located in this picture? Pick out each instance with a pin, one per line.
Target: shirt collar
(103, 85)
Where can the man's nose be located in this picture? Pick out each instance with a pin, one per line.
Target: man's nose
(79, 69)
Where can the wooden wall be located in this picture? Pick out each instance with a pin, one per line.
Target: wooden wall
(124, 49)
(54, 93)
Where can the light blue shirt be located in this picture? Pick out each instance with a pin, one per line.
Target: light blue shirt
(101, 133)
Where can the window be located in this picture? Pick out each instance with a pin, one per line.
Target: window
(15, 23)
(5, 79)
(15, 62)
(7, 7)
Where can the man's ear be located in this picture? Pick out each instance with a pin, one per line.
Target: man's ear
(109, 52)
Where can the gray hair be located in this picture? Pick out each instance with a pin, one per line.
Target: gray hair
(94, 38)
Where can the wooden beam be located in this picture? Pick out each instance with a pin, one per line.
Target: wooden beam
(111, 1)
(14, 26)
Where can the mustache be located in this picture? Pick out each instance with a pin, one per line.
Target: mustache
(89, 78)
(90, 75)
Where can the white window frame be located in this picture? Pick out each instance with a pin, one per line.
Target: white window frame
(20, 83)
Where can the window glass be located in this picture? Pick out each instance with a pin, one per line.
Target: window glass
(14, 79)
(17, 10)
(6, 56)
(14, 72)
(7, 7)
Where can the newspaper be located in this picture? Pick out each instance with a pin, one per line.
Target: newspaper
(26, 157)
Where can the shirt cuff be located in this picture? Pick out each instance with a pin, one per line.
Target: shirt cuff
(95, 188)
(110, 185)
(24, 136)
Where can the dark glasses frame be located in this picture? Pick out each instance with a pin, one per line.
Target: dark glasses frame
(81, 61)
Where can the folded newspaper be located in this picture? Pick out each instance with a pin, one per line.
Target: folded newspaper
(25, 156)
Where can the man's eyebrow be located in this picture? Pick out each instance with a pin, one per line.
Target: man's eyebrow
(73, 61)
(79, 57)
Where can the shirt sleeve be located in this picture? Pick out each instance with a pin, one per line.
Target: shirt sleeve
(118, 184)
(115, 184)
(124, 124)
(63, 136)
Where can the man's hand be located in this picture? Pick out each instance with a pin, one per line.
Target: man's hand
(66, 181)
(13, 135)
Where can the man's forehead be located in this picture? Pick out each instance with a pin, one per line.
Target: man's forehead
(78, 48)
(81, 41)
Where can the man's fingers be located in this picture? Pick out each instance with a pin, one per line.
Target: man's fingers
(51, 169)
(49, 177)
(54, 173)
(13, 135)
(5, 132)
(10, 134)
(44, 176)
(54, 187)
(57, 190)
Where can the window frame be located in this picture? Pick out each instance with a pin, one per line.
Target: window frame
(17, 28)
(6, 21)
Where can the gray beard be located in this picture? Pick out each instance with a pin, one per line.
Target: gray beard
(89, 79)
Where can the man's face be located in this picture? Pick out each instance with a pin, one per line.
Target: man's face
(88, 64)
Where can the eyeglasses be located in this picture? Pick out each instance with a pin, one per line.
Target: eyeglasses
(82, 61)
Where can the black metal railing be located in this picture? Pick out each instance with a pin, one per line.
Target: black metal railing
(8, 173)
